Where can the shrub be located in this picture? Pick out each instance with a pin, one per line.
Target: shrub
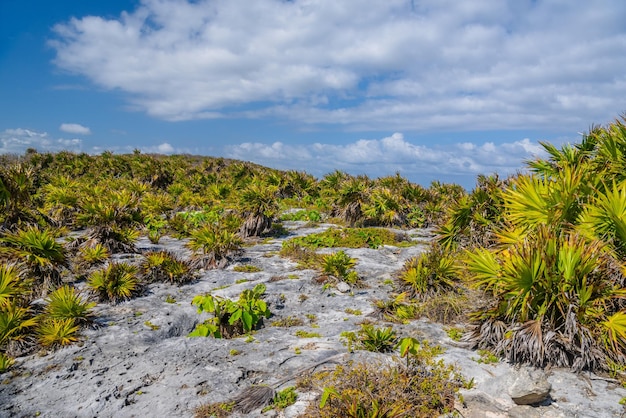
(65, 303)
(57, 332)
(429, 274)
(231, 318)
(424, 388)
(161, 266)
(116, 282)
(370, 338)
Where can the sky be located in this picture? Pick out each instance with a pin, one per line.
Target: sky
(431, 89)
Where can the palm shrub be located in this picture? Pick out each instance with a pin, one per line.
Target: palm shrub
(53, 332)
(471, 219)
(371, 338)
(339, 266)
(560, 300)
(5, 362)
(65, 303)
(428, 274)
(213, 246)
(118, 281)
(18, 184)
(16, 323)
(231, 318)
(88, 257)
(12, 286)
(554, 263)
(160, 266)
(38, 250)
(605, 217)
(258, 202)
(112, 217)
(352, 195)
(60, 200)
(384, 207)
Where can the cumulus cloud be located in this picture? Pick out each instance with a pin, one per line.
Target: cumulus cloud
(380, 157)
(16, 141)
(75, 128)
(163, 148)
(396, 64)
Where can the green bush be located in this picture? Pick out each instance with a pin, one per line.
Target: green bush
(231, 318)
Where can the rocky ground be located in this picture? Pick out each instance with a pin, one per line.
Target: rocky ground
(138, 361)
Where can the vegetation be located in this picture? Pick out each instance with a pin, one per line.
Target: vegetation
(421, 387)
(539, 258)
(231, 318)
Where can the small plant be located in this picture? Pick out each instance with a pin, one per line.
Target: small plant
(162, 266)
(297, 350)
(231, 318)
(381, 340)
(57, 332)
(429, 273)
(5, 362)
(234, 352)
(214, 410)
(239, 281)
(302, 297)
(288, 322)
(116, 282)
(66, 303)
(339, 266)
(486, 357)
(353, 311)
(283, 399)
(170, 299)
(312, 318)
(305, 334)
(455, 334)
(152, 326)
(248, 268)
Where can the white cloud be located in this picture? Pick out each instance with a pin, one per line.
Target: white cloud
(163, 148)
(380, 157)
(74, 128)
(17, 141)
(396, 64)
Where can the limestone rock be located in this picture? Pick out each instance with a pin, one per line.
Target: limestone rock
(343, 287)
(529, 387)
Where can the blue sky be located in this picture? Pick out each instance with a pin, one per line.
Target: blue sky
(433, 89)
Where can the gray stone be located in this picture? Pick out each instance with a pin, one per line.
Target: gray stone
(530, 386)
(343, 287)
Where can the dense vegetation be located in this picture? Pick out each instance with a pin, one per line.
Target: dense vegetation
(541, 254)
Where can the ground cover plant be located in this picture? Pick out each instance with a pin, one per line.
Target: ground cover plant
(419, 386)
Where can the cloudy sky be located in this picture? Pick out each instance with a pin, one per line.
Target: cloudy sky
(433, 89)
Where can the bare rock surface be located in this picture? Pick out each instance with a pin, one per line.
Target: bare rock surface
(138, 362)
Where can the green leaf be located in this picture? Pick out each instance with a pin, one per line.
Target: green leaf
(234, 317)
(246, 319)
(326, 395)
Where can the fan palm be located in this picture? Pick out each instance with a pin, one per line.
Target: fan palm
(213, 245)
(116, 282)
(258, 202)
(17, 188)
(39, 251)
(558, 294)
(112, 217)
